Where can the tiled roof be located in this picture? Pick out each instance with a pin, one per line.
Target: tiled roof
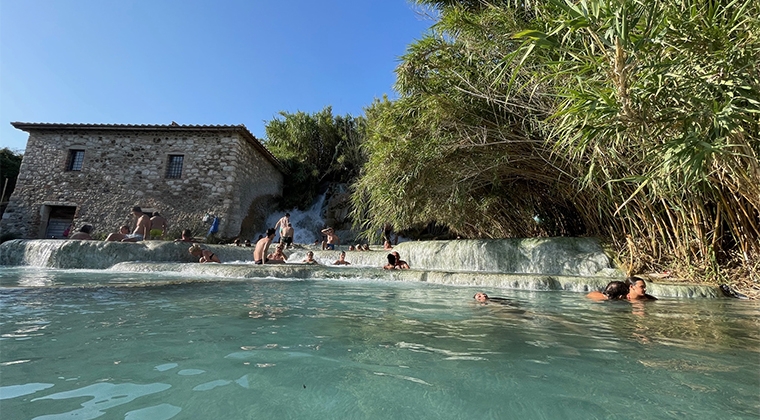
(241, 128)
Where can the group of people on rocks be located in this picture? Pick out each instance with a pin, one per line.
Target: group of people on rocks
(149, 226)
(155, 226)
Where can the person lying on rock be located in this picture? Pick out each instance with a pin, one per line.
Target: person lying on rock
(203, 255)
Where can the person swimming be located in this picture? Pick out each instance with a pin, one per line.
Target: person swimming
(615, 290)
(481, 297)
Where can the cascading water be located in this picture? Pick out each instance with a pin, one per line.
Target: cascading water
(306, 224)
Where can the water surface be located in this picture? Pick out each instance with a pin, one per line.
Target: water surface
(84, 344)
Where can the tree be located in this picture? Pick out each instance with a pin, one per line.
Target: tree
(315, 148)
(10, 163)
(633, 120)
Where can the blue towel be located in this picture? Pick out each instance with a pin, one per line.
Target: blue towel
(214, 226)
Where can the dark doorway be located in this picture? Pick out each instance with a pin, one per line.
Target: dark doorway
(59, 219)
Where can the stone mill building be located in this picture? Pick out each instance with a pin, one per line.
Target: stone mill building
(95, 173)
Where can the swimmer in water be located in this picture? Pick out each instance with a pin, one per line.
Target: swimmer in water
(615, 290)
(481, 297)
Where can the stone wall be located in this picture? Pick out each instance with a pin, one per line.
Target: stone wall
(222, 174)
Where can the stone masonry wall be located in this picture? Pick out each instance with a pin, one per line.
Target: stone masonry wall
(124, 168)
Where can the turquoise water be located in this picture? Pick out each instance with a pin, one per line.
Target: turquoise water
(84, 344)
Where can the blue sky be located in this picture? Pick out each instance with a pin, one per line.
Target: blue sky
(196, 62)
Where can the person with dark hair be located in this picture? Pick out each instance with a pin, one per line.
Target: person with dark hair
(158, 226)
(482, 297)
(342, 259)
(121, 234)
(400, 264)
(331, 239)
(310, 258)
(84, 233)
(142, 230)
(187, 236)
(278, 256)
(637, 289)
(286, 236)
(391, 263)
(615, 290)
(262, 247)
(282, 224)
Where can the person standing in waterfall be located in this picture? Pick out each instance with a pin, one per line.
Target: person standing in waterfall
(282, 224)
(287, 236)
(262, 247)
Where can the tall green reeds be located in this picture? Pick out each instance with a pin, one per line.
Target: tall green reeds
(633, 120)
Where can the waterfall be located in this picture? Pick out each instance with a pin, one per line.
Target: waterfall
(306, 224)
(572, 264)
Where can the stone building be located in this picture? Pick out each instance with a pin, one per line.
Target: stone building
(95, 173)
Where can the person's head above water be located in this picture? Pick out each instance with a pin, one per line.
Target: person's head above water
(480, 297)
(616, 290)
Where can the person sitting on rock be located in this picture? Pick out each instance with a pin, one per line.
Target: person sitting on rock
(400, 264)
(187, 236)
(391, 263)
(203, 255)
(332, 239)
(277, 257)
(83, 233)
(118, 236)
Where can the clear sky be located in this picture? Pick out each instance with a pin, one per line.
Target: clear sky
(196, 61)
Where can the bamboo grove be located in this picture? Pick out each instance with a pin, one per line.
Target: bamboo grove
(636, 121)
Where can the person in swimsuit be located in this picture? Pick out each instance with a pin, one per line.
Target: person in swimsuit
(262, 247)
(287, 236)
(142, 230)
(203, 255)
(158, 226)
(332, 239)
(282, 224)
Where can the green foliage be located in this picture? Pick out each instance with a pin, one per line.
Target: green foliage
(10, 163)
(315, 148)
(634, 120)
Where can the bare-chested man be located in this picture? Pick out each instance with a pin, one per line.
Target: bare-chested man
(282, 224)
(287, 236)
(332, 239)
(262, 247)
(142, 230)
(158, 226)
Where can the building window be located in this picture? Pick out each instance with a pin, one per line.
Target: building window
(76, 157)
(174, 166)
